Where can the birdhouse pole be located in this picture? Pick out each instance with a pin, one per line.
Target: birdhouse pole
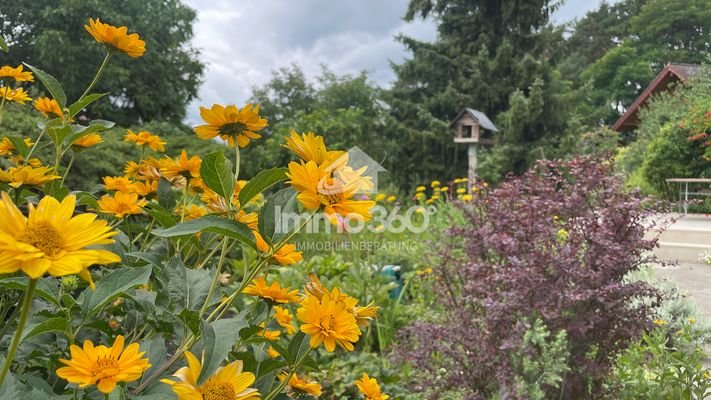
(471, 172)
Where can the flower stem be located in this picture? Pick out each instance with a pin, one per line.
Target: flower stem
(292, 370)
(236, 163)
(96, 77)
(26, 305)
(215, 280)
(66, 172)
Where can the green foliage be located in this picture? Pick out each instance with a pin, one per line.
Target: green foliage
(620, 47)
(541, 361)
(663, 149)
(157, 85)
(664, 364)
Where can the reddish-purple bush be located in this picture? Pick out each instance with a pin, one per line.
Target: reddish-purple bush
(554, 244)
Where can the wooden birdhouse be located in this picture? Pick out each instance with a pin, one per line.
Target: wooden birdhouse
(474, 128)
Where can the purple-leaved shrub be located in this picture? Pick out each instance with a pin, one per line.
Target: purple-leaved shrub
(553, 245)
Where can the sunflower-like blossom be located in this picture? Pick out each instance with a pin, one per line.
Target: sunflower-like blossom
(234, 125)
(116, 38)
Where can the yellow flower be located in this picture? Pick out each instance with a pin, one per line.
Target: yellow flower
(286, 255)
(461, 191)
(274, 292)
(7, 148)
(435, 197)
(328, 322)
(182, 166)
(369, 388)
(302, 385)
(692, 321)
(145, 139)
(48, 106)
(311, 147)
(444, 189)
(143, 188)
(193, 211)
(283, 317)
(362, 314)
(16, 73)
(52, 240)
(267, 334)
(89, 140)
(118, 183)
(251, 220)
(228, 383)
(27, 175)
(467, 197)
(32, 162)
(381, 197)
(121, 204)
(435, 184)
(391, 199)
(272, 353)
(104, 366)
(118, 38)
(420, 189)
(231, 123)
(317, 188)
(660, 322)
(419, 196)
(18, 95)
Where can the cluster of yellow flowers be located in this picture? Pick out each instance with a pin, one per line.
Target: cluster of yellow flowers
(57, 238)
(385, 198)
(439, 192)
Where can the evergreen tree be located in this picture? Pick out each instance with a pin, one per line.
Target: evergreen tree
(495, 56)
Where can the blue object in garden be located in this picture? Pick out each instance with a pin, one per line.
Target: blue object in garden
(393, 272)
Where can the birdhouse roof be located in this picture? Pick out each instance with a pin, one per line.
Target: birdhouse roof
(479, 116)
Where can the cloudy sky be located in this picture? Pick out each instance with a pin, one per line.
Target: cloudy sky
(242, 45)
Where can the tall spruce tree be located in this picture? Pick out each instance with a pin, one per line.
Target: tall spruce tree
(497, 56)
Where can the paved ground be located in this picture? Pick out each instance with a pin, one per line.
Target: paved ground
(694, 279)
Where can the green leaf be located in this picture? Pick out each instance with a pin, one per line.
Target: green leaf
(150, 258)
(97, 125)
(191, 319)
(214, 224)
(19, 144)
(75, 108)
(87, 199)
(156, 352)
(261, 182)
(297, 344)
(3, 45)
(48, 325)
(186, 288)
(55, 89)
(218, 338)
(274, 216)
(160, 214)
(166, 196)
(47, 289)
(268, 366)
(216, 172)
(58, 133)
(111, 285)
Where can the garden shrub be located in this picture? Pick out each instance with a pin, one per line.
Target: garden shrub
(552, 245)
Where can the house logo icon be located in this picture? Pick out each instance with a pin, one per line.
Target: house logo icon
(355, 162)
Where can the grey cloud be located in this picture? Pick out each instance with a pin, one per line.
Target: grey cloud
(243, 41)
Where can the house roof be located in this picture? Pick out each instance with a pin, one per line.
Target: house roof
(479, 116)
(672, 73)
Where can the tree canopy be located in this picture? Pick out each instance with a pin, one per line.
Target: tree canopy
(159, 85)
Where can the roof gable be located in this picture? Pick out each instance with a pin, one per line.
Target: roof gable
(479, 116)
(671, 74)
